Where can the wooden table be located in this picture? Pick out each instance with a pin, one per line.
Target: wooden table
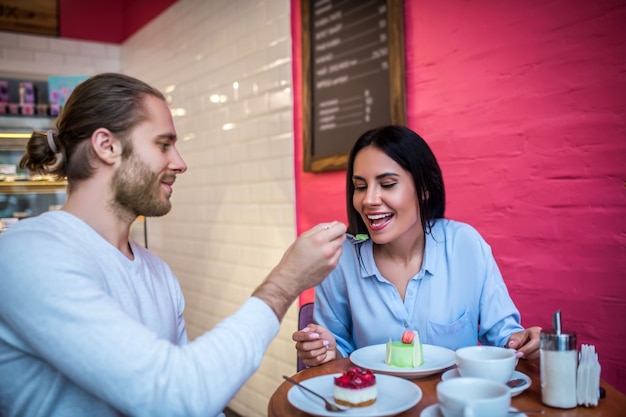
(613, 405)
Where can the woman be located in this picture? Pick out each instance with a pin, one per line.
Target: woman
(404, 266)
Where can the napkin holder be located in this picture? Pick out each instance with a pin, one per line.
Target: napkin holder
(588, 377)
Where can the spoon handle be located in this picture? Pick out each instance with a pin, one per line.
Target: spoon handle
(303, 387)
(329, 406)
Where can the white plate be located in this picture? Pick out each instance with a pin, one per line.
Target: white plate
(436, 359)
(434, 411)
(454, 373)
(395, 395)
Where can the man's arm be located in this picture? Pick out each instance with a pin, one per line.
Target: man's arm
(305, 264)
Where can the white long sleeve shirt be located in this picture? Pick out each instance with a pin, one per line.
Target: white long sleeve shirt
(86, 331)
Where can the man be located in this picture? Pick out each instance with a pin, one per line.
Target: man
(92, 323)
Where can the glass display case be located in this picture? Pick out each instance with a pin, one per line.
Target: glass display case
(23, 194)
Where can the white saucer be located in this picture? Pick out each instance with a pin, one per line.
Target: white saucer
(454, 373)
(431, 411)
(395, 395)
(434, 411)
(436, 359)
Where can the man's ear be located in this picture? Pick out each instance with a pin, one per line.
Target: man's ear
(106, 145)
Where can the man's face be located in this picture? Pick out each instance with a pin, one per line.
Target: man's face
(142, 184)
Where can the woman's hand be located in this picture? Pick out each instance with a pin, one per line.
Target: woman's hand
(315, 345)
(526, 342)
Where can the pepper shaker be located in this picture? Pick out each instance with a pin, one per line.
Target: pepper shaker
(558, 358)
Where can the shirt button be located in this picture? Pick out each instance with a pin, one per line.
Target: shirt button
(406, 325)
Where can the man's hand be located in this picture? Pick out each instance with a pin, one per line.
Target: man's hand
(308, 260)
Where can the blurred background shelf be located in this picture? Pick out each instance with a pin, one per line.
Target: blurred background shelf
(26, 187)
(24, 194)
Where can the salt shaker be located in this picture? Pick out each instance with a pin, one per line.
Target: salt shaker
(559, 361)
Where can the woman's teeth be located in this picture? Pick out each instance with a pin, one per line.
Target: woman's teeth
(374, 217)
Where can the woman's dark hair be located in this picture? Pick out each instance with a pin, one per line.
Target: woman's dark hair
(109, 100)
(413, 154)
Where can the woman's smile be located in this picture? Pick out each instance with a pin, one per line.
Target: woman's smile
(378, 221)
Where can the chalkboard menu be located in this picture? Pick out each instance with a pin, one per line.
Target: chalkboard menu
(353, 73)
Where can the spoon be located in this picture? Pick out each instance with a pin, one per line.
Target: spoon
(514, 383)
(327, 404)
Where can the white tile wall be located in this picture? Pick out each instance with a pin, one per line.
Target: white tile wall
(40, 56)
(233, 211)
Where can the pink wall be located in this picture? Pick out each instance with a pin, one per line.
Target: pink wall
(524, 104)
(111, 21)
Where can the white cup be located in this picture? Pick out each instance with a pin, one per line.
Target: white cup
(490, 362)
(473, 397)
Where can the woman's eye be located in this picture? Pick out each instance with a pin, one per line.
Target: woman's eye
(358, 187)
(388, 185)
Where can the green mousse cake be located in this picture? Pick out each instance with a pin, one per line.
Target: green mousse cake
(405, 355)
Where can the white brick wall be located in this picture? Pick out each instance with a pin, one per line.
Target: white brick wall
(40, 56)
(233, 211)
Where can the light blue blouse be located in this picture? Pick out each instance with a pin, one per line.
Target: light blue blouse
(457, 299)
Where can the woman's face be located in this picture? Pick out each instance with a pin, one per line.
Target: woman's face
(385, 197)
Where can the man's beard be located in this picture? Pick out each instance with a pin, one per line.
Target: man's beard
(137, 189)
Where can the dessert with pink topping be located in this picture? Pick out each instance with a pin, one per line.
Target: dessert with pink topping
(406, 352)
(356, 388)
